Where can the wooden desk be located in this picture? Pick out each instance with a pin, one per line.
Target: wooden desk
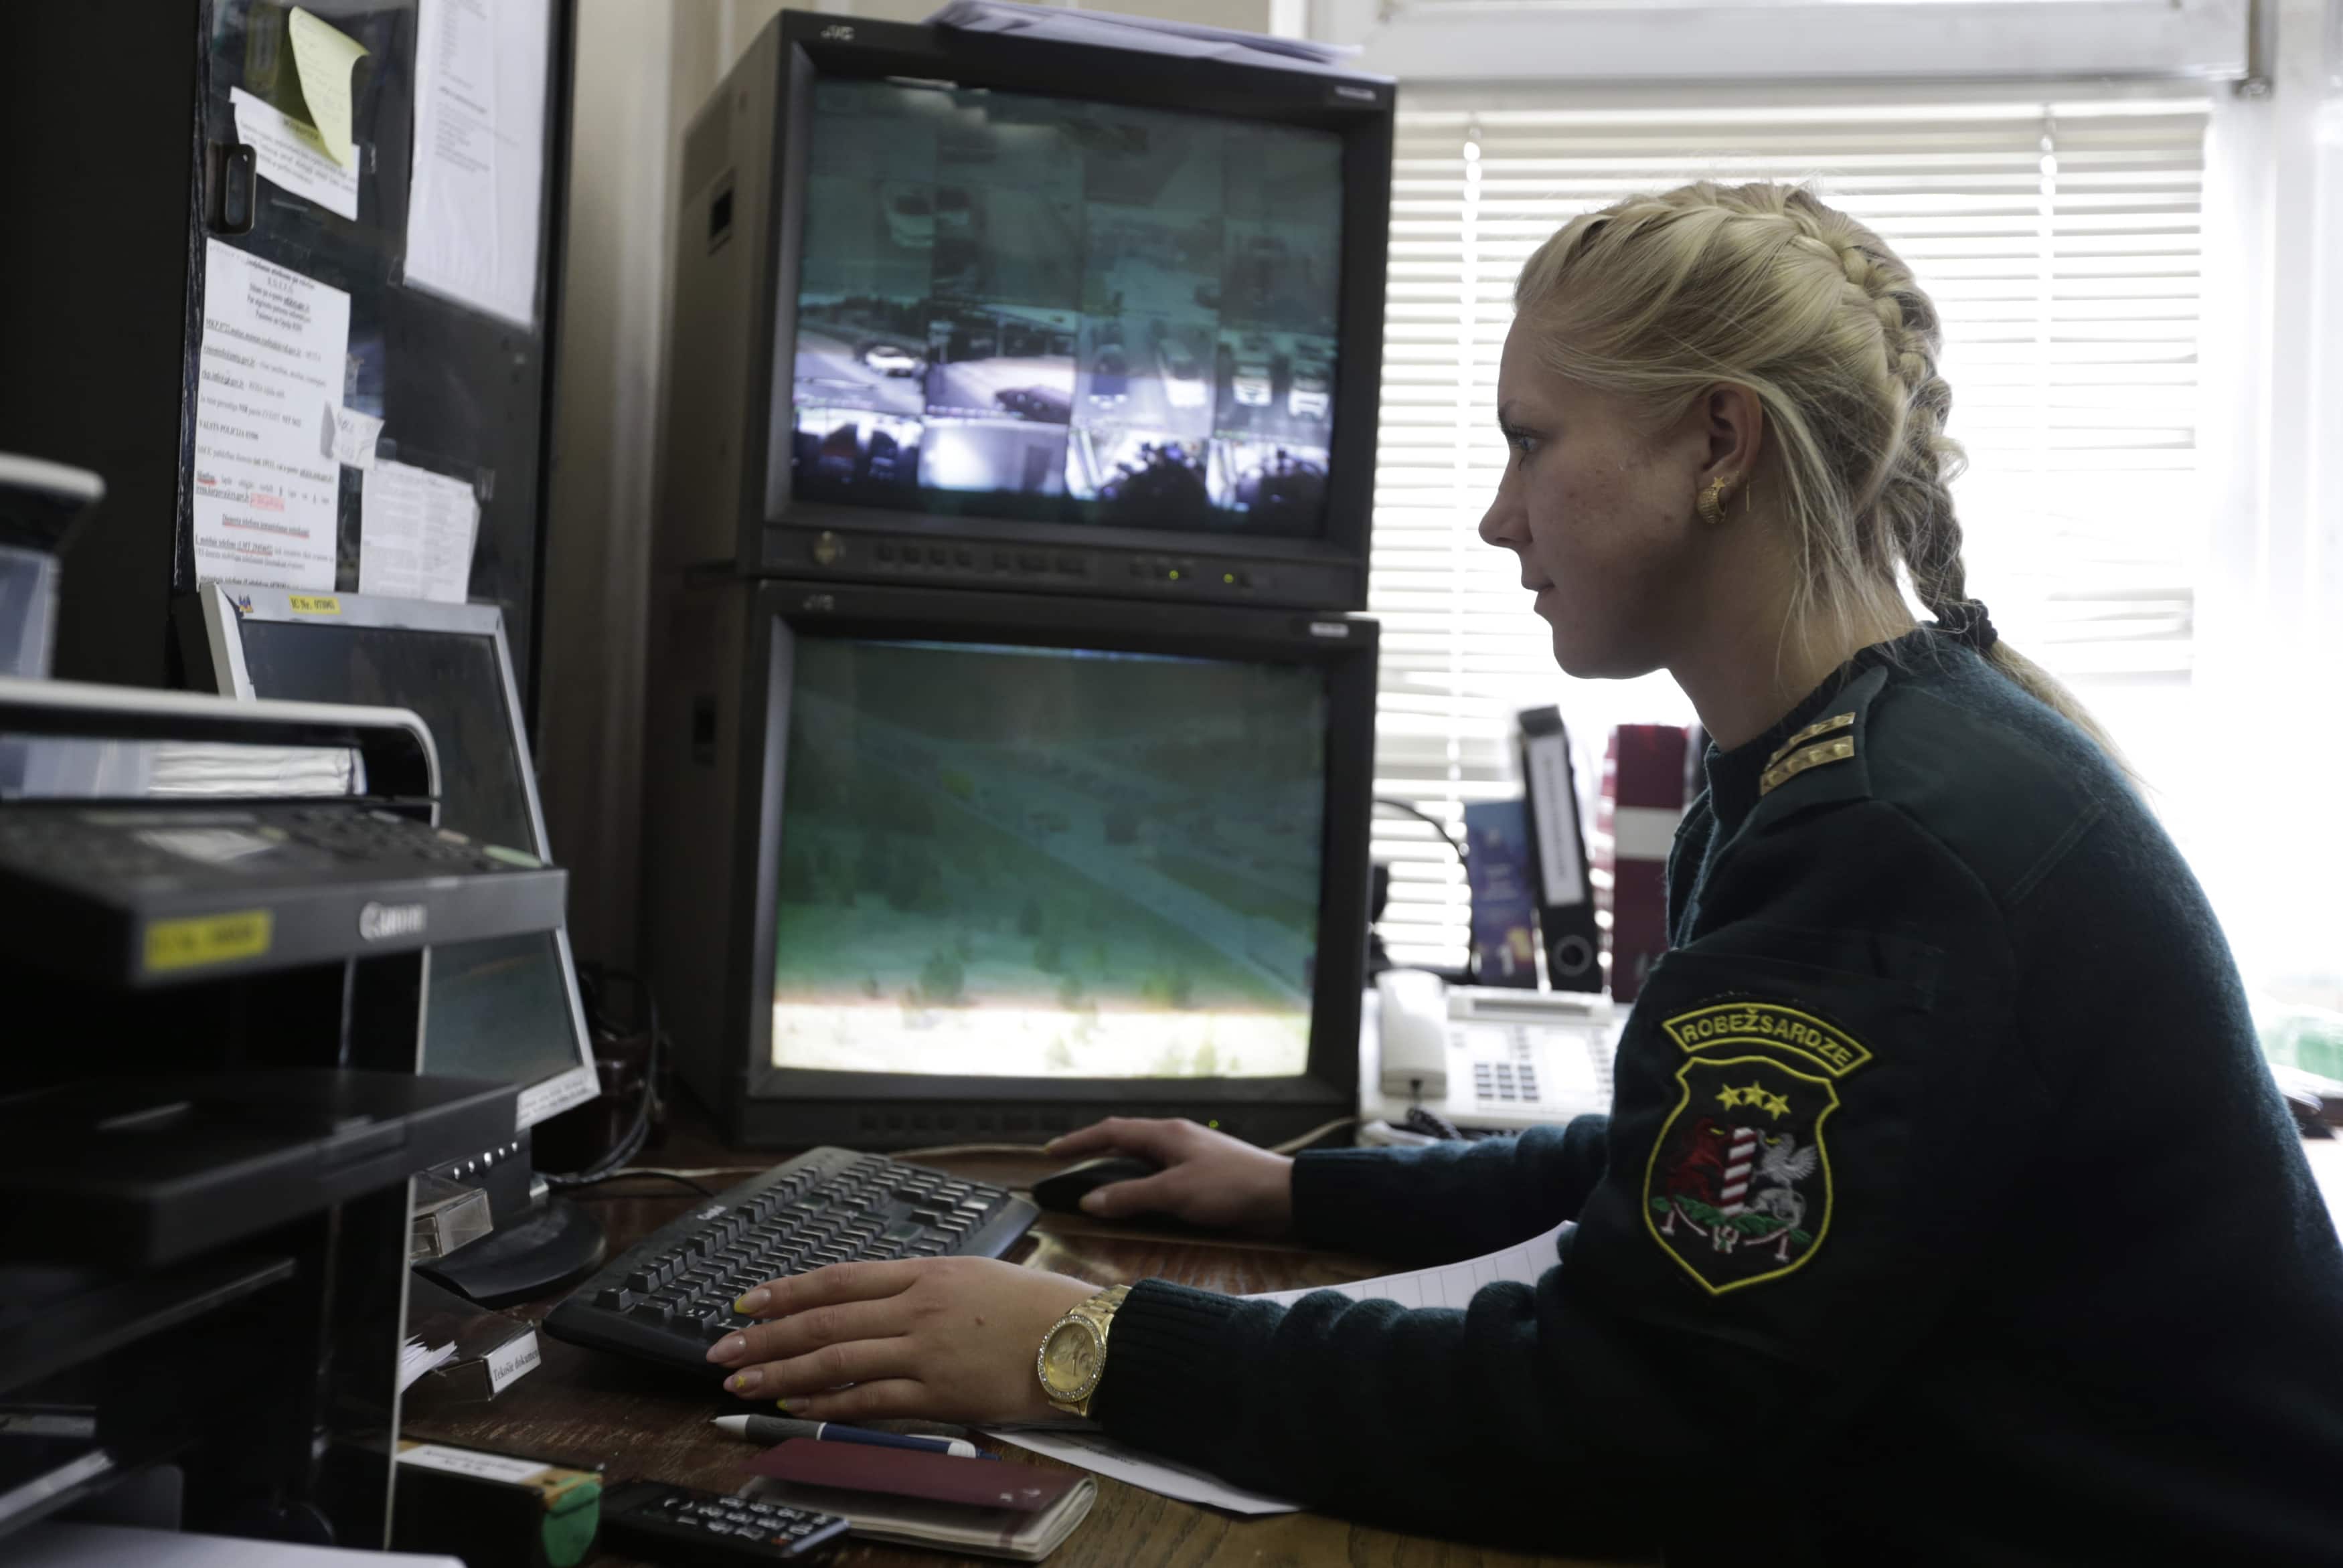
(584, 1406)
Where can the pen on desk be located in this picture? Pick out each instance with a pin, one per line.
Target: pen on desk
(779, 1429)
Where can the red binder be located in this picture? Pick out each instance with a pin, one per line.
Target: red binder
(1644, 790)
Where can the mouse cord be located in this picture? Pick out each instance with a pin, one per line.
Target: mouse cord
(945, 1151)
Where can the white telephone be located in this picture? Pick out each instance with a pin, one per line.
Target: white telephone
(1483, 1057)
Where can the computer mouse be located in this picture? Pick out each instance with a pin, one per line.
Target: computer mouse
(1061, 1193)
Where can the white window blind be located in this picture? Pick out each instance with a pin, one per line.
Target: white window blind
(2061, 237)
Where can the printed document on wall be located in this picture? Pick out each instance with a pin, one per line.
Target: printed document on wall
(267, 484)
(415, 533)
(472, 231)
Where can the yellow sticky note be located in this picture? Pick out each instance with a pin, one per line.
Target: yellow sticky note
(324, 56)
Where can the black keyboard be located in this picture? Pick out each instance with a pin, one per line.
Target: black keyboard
(670, 1296)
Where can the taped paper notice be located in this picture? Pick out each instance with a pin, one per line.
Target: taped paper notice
(266, 499)
(289, 154)
(350, 435)
(472, 229)
(470, 1462)
(415, 534)
(324, 58)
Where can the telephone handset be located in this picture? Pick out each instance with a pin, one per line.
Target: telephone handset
(1415, 1006)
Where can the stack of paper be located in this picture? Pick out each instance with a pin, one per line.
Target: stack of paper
(416, 1358)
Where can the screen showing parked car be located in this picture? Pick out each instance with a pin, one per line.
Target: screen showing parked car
(1057, 310)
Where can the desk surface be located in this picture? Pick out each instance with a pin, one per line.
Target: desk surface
(583, 1406)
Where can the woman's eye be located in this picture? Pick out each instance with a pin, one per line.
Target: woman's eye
(1523, 442)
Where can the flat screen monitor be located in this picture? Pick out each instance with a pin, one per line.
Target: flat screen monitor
(508, 1009)
(994, 866)
(973, 310)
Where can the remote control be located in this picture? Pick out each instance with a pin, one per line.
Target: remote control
(663, 1524)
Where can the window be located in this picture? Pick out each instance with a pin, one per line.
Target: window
(2061, 237)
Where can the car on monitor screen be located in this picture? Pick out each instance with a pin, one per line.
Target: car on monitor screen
(1250, 382)
(890, 359)
(1045, 404)
(1110, 378)
(1307, 398)
(1183, 378)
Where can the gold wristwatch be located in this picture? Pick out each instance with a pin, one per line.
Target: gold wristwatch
(1073, 1353)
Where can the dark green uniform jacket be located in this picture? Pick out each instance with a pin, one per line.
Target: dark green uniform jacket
(1946, 1212)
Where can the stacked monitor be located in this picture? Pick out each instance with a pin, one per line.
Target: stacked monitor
(1009, 743)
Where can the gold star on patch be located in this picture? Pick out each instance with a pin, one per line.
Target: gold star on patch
(1729, 1098)
(1773, 1105)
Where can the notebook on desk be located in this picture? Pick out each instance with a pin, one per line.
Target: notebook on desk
(978, 1505)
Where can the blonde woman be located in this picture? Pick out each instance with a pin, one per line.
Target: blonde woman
(1945, 1210)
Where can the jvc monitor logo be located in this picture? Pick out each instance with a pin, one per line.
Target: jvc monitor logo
(382, 922)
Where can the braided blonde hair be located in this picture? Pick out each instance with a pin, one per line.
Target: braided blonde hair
(1656, 299)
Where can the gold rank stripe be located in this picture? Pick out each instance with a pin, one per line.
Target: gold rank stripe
(1835, 721)
(1797, 763)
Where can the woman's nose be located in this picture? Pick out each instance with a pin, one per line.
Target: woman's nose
(1497, 524)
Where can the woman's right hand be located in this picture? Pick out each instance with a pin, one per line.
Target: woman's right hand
(1208, 1178)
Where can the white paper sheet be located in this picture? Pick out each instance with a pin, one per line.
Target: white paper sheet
(415, 534)
(472, 230)
(271, 359)
(50, 1544)
(1449, 1285)
(289, 154)
(351, 437)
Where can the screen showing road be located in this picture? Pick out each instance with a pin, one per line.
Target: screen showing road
(1046, 862)
(1065, 311)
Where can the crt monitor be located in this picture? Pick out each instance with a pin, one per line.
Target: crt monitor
(984, 311)
(998, 866)
(505, 1009)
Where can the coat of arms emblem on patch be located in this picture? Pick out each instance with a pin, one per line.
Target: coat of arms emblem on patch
(1738, 1188)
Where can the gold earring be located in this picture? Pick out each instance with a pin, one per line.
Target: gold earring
(1710, 504)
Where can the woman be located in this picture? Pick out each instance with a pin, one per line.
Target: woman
(1946, 1209)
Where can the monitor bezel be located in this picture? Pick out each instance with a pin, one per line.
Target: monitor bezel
(227, 606)
(1361, 110)
(1343, 645)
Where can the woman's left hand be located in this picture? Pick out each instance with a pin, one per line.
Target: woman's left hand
(942, 1339)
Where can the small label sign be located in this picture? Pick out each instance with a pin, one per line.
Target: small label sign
(383, 922)
(201, 940)
(312, 604)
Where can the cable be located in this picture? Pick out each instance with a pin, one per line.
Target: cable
(1463, 857)
(577, 1187)
(1296, 1145)
(639, 1131)
(945, 1151)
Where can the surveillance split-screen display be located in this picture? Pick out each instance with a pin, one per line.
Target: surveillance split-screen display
(1047, 862)
(1058, 310)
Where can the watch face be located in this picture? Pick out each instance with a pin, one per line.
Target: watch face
(1070, 1359)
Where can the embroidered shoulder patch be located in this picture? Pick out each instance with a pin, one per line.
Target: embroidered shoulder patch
(1738, 1187)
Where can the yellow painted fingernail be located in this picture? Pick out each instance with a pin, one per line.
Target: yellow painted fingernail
(743, 1382)
(754, 1301)
(782, 1405)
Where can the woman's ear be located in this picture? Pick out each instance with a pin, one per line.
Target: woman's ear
(1735, 424)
